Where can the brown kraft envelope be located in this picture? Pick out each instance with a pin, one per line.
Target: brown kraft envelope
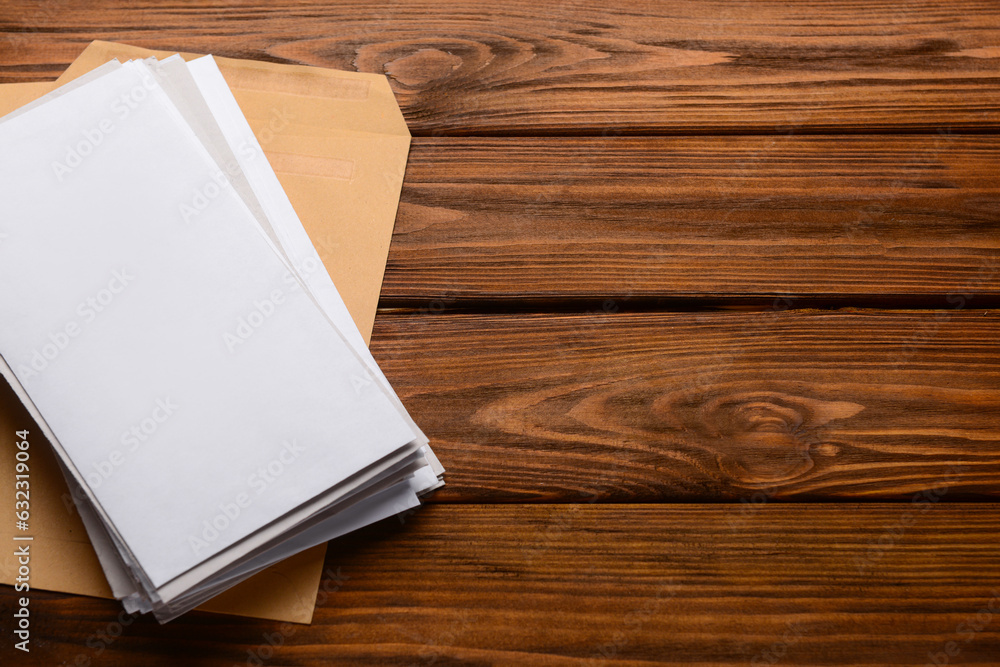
(338, 143)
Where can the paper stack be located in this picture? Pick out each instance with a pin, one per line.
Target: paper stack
(170, 327)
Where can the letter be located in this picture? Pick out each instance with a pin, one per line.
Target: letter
(68, 503)
(211, 190)
(956, 300)
(231, 341)
(294, 447)
(106, 126)
(103, 468)
(105, 297)
(255, 319)
(209, 533)
(951, 648)
(167, 405)
(265, 307)
(281, 456)
(50, 351)
(281, 467)
(38, 362)
(84, 148)
(22, 646)
(243, 330)
(277, 297)
(72, 329)
(269, 638)
(21, 612)
(94, 136)
(253, 660)
(224, 520)
(359, 382)
(118, 108)
(148, 426)
(116, 458)
(199, 201)
(128, 441)
(137, 432)
(231, 510)
(73, 159)
(187, 212)
(938, 658)
(60, 339)
(21, 587)
(87, 314)
(196, 544)
(256, 484)
(60, 170)
(243, 500)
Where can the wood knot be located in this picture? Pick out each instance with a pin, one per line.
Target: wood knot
(422, 67)
(758, 437)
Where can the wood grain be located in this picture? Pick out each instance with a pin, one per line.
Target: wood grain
(588, 585)
(568, 67)
(702, 406)
(846, 219)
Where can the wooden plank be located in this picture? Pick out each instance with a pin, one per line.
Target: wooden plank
(588, 585)
(837, 218)
(461, 66)
(702, 406)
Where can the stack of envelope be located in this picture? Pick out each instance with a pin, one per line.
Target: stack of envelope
(175, 334)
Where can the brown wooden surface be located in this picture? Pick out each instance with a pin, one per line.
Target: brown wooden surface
(572, 67)
(908, 220)
(607, 584)
(608, 296)
(647, 407)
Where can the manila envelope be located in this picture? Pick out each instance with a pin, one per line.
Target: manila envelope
(338, 143)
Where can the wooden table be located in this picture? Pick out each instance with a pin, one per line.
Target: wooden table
(696, 301)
